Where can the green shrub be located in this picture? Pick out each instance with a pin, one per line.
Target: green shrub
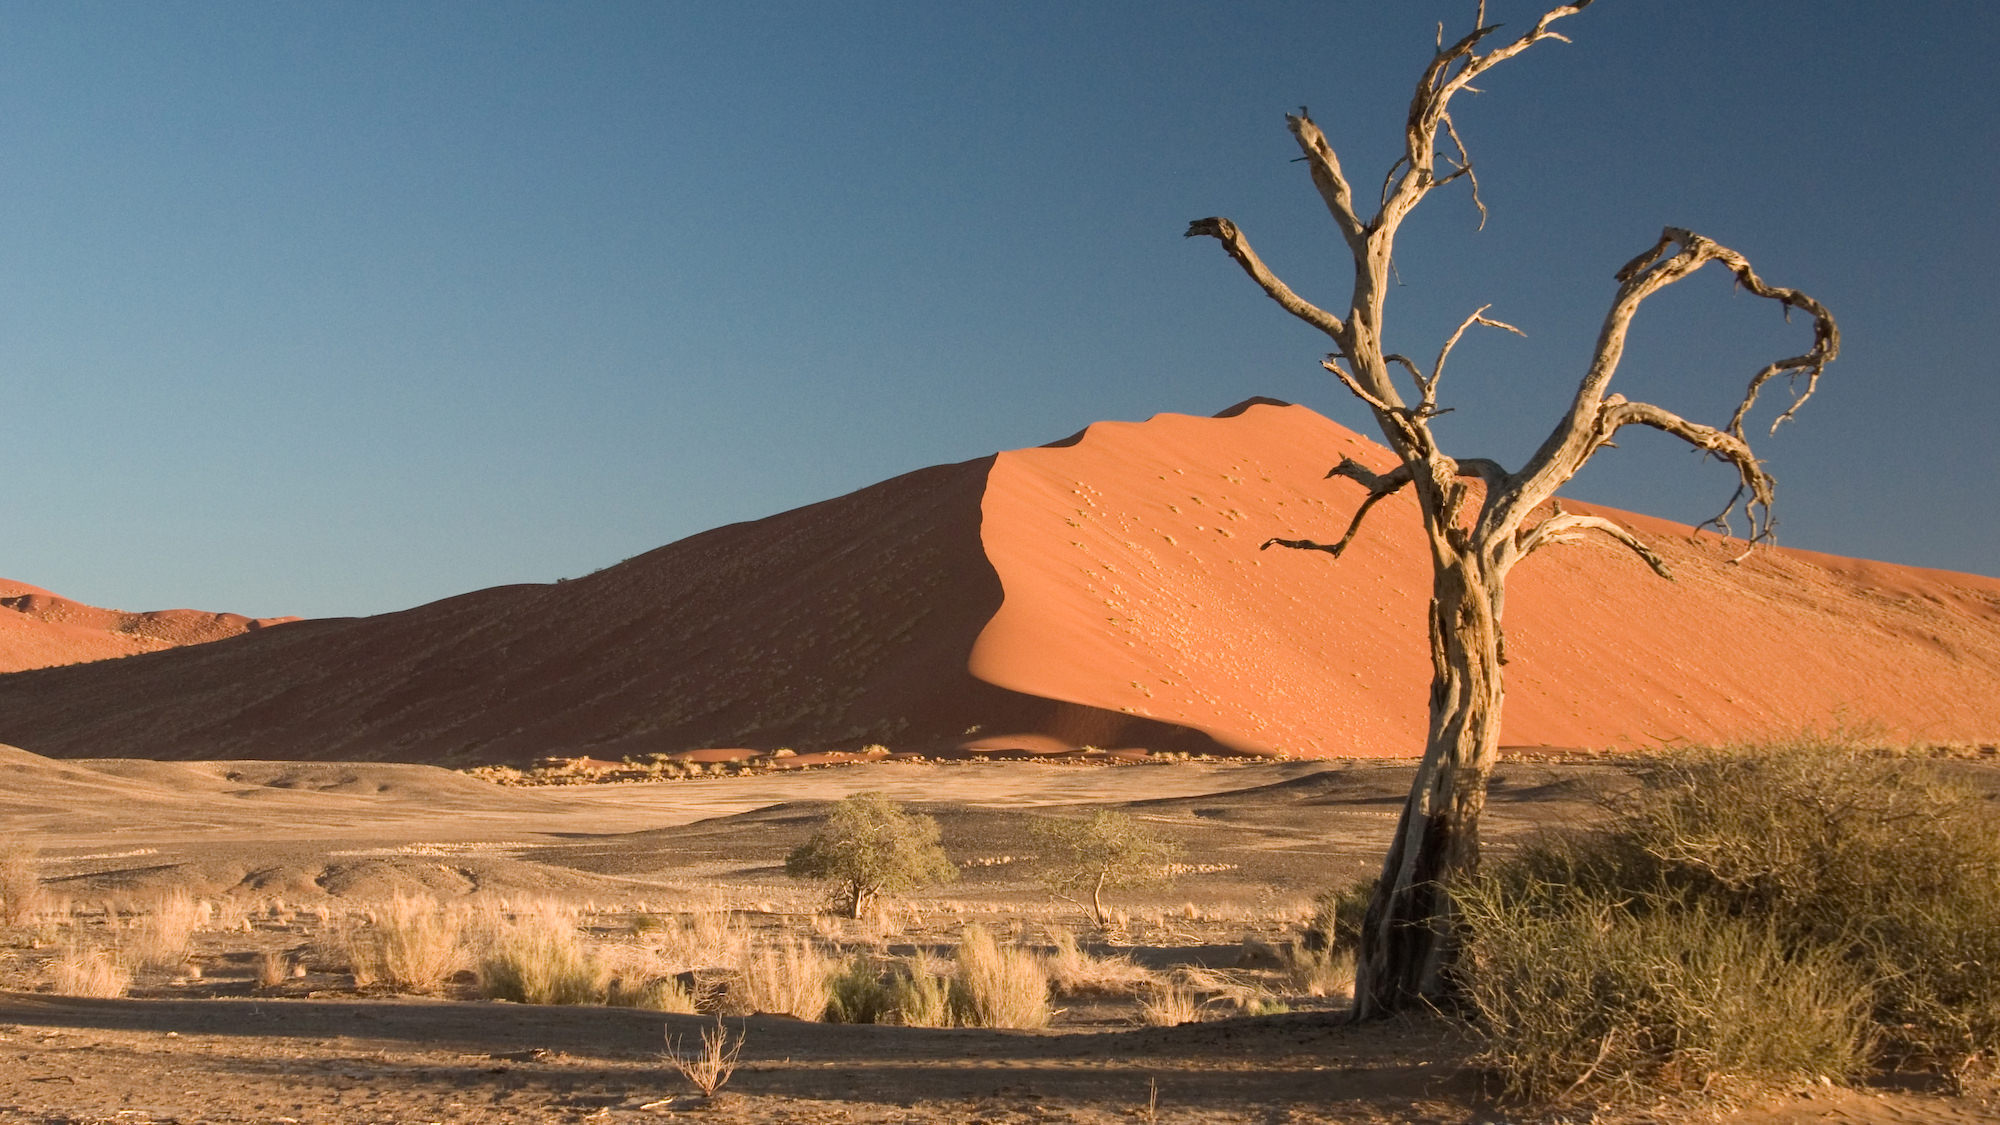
(1104, 851)
(908, 991)
(869, 846)
(1812, 884)
(859, 993)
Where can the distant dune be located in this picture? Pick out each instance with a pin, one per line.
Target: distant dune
(1106, 590)
(39, 629)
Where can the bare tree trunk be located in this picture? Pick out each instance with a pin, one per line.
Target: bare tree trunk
(1412, 932)
(1409, 936)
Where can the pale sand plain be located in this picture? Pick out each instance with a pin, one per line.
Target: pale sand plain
(1261, 838)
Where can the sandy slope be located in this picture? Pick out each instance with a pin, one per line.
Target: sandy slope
(1134, 583)
(39, 629)
(1107, 590)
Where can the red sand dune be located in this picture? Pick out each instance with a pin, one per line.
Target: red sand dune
(1105, 591)
(39, 629)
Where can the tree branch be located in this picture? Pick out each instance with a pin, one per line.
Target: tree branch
(1593, 417)
(1430, 103)
(1755, 488)
(1225, 232)
(1380, 487)
(1328, 178)
(1561, 527)
(1437, 369)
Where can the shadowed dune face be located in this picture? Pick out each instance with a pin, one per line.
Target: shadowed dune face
(39, 629)
(1106, 590)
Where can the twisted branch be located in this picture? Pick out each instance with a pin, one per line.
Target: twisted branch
(1562, 527)
(1380, 487)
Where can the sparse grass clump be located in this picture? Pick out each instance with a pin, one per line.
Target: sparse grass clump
(20, 884)
(787, 976)
(1774, 916)
(539, 956)
(998, 986)
(81, 971)
(1074, 971)
(165, 934)
(1169, 1003)
(410, 944)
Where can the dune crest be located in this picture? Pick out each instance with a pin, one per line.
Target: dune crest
(1134, 583)
(1106, 590)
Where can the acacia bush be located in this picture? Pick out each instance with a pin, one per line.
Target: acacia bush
(1107, 850)
(1775, 914)
(869, 846)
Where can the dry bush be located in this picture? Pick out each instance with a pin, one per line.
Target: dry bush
(789, 976)
(411, 944)
(1850, 903)
(1625, 1006)
(539, 956)
(1336, 918)
(20, 884)
(998, 986)
(88, 972)
(709, 1067)
(1073, 971)
(164, 936)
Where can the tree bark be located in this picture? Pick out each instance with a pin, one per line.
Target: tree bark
(1410, 935)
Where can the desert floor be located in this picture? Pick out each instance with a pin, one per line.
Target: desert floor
(284, 850)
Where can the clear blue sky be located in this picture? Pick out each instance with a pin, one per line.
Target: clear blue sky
(337, 309)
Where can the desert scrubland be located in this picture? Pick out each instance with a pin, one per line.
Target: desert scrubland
(256, 941)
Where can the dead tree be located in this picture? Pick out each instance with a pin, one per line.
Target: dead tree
(1479, 518)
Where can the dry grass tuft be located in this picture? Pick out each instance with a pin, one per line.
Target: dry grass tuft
(998, 986)
(88, 972)
(20, 884)
(1073, 971)
(165, 935)
(539, 956)
(410, 944)
(789, 976)
(1169, 1003)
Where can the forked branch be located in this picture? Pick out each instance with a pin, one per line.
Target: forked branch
(1563, 527)
(1594, 418)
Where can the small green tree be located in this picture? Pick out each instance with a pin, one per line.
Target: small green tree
(1104, 851)
(869, 846)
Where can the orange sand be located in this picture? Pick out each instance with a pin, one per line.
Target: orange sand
(1104, 591)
